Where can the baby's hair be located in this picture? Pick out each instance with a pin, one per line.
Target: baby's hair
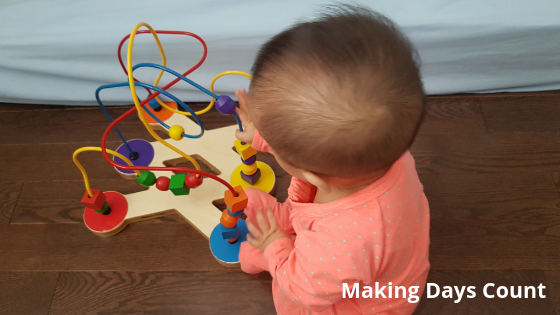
(339, 95)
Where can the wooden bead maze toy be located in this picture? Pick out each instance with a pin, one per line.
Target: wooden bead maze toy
(108, 213)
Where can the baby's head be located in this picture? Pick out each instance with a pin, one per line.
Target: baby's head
(340, 96)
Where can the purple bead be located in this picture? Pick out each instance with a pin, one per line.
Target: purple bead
(251, 179)
(225, 105)
(249, 161)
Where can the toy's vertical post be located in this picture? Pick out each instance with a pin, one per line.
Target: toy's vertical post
(230, 216)
(249, 170)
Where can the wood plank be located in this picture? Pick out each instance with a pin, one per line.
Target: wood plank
(53, 162)
(493, 221)
(13, 107)
(553, 280)
(453, 116)
(142, 246)
(556, 179)
(9, 194)
(178, 246)
(462, 247)
(522, 114)
(495, 153)
(500, 204)
(63, 126)
(497, 95)
(83, 124)
(215, 292)
(26, 292)
(480, 304)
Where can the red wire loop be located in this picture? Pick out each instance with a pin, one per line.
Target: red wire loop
(151, 97)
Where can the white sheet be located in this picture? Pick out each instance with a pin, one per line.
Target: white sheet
(59, 52)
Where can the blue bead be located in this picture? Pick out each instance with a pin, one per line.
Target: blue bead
(154, 104)
(237, 214)
(228, 233)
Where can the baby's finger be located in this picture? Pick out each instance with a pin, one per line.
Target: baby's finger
(271, 219)
(242, 97)
(243, 116)
(253, 229)
(243, 136)
(263, 223)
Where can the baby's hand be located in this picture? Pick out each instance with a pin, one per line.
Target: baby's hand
(248, 132)
(268, 232)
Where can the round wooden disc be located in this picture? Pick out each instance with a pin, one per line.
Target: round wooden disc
(163, 114)
(100, 223)
(145, 152)
(227, 254)
(265, 183)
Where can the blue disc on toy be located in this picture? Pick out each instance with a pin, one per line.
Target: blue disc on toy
(145, 152)
(225, 252)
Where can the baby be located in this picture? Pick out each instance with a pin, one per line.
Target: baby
(338, 102)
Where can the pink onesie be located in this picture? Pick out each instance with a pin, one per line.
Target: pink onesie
(377, 234)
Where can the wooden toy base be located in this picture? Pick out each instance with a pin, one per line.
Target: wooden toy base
(197, 207)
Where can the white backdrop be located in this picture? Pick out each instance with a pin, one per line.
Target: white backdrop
(59, 52)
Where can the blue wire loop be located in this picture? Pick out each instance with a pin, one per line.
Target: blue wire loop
(171, 96)
(238, 121)
(177, 74)
(196, 85)
(161, 91)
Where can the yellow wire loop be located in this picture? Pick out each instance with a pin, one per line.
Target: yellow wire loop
(84, 174)
(133, 89)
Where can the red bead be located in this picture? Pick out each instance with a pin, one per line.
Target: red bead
(192, 182)
(162, 183)
(96, 201)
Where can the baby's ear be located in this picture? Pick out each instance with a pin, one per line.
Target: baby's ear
(318, 180)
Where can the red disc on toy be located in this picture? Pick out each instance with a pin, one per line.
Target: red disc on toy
(162, 183)
(99, 222)
(192, 182)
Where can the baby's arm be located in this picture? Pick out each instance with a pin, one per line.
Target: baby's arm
(311, 269)
(251, 258)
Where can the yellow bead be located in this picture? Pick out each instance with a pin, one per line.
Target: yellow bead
(245, 150)
(176, 132)
(249, 169)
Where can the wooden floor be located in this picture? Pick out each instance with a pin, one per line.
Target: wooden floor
(490, 166)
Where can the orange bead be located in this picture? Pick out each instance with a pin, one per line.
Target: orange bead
(236, 203)
(227, 220)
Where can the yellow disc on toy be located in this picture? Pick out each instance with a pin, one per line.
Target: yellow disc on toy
(176, 132)
(266, 183)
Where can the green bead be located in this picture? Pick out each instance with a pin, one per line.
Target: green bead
(146, 178)
(105, 207)
(177, 185)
